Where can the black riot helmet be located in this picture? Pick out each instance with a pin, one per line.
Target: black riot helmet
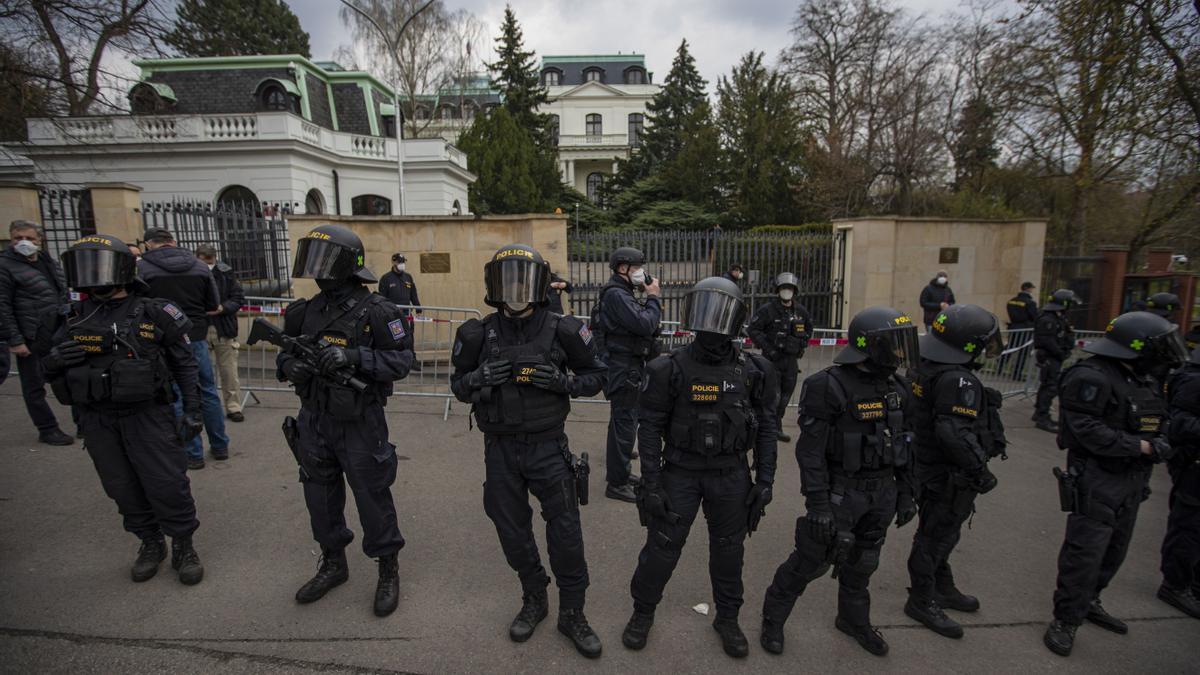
(331, 252)
(517, 275)
(1142, 336)
(626, 255)
(99, 260)
(1163, 304)
(714, 305)
(960, 334)
(882, 336)
(786, 279)
(1062, 300)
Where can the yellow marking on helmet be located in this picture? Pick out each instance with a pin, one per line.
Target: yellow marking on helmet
(95, 240)
(318, 235)
(901, 320)
(513, 251)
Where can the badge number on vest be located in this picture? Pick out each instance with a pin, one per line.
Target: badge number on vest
(705, 393)
(868, 410)
(523, 375)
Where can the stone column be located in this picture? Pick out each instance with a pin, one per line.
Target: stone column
(118, 210)
(18, 201)
(1108, 282)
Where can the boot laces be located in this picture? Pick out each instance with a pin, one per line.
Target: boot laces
(388, 569)
(150, 549)
(640, 621)
(577, 623)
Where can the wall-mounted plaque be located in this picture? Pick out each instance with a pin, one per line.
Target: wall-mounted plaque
(946, 256)
(435, 263)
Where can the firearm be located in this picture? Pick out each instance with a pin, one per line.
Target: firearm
(582, 471)
(302, 348)
(839, 550)
(291, 433)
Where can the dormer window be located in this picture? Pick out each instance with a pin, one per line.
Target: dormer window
(551, 77)
(278, 96)
(151, 99)
(593, 74)
(635, 75)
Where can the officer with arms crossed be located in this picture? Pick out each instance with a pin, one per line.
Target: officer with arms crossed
(1181, 546)
(114, 356)
(854, 464)
(781, 328)
(519, 368)
(626, 331)
(1053, 340)
(341, 429)
(1113, 418)
(958, 429)
(702, 408)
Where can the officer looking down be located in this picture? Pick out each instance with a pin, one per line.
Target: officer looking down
(113, 356)
(781, 328)
(519, 368)
(1053, 341)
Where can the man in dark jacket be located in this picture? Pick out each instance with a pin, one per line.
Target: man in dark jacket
(176, 275)
(223, 330)
(398, 286)
(936, 296)
(30, 282)
(1022, 314)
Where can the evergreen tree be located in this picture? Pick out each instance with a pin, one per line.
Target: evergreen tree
(975, 148)
(237, 28)
(515, 74)
(508, 165)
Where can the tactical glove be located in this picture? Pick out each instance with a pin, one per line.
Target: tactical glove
(66, 355)
(656, 504)
(298, 372)
(1161, 450)
(190, 425)
(820, 526)
(984, 481)
(906, 509)
(757, 500)
(333, 359)
(490, 374)
(549, 377)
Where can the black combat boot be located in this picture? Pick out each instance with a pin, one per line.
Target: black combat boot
(387, 591)
(733, 640)
(637, 630)
(534, 608)
(1044, 423)
(868, 638)
(1182, 600)
(929, 613)
(950, 597)
(331, 572)
(573, 624)
(152, 552)
(1060, 637)
(186, 561)
(771, 638)
(1097, 615)
(782, 437)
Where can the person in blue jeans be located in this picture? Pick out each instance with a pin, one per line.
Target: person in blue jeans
(177, 275)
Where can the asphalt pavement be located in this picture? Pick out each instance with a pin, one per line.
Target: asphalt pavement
(67, 604)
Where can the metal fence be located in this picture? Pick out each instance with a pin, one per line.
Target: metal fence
(252, 241)
(67, 215)
(680, 259)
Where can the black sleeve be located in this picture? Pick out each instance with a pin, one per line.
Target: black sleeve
(819, 408)
(1045, 335)
(390, 355)
(293, 319)
(10, 332)
(958, 401)
(416, 301)
(1184, 394)
(765, 396)
(60, 281)
(654, 413)
(171, 335)
(589, 374)
(928, 301)
(212, 297)
(757, 329)
(628, 314)
(468, 345)
(949, 296)
(1085, 397)
(808, 324)
(235, 297)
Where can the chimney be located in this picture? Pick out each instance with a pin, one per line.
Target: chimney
(1158, 260)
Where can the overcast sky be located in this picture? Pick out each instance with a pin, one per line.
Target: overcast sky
(718, 31)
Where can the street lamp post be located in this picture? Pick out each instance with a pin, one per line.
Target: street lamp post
(394, 50)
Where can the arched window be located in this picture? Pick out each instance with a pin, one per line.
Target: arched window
(422, 113)
(456, 209)
(241, 198)
(593, 74)
(593, 124)
(637, 124)
(469, 108)
(370, 205)
(273, 95)
(314, 202)
(635, 75)
(552, 126)
(447, 111)
(552, 77)
(595, 181)
(150, 99)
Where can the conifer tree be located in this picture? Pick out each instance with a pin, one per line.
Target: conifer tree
(237, 28)
(508, 166)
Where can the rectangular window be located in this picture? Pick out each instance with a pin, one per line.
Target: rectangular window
(637, 124)
(594, 125)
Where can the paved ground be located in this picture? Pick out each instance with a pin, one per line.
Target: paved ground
(68, 605)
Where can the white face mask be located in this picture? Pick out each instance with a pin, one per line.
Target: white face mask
(211, 266)
(26, 248)
(736, 274)
(942, 281)
(786, 294)
(638, 276)
(399, 267)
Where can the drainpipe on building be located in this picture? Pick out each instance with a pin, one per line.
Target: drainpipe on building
(337, 194)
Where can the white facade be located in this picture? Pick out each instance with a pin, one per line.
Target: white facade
(279, 156)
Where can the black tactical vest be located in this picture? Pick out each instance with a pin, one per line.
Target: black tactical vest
(346, 325)
(1135, 406)
(613, 339)
(869, 434)
(788, 332)
(518, 406)
(712, 417)
(988, 427)
(124, 363)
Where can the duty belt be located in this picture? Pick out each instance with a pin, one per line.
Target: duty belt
(865, 482)
(713, 471)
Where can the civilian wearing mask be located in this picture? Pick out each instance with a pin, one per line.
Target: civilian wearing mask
(936, 297)
(223, 330)
(735, 274)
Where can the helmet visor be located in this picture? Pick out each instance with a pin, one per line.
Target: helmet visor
(993, 346)
(89, 267)
(894, 347)
(1170, 348)
(712, 311)
(516, 280)
(319, 259)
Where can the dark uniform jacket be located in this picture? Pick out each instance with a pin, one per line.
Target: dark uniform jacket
(27, 289)
(1107, 410)
(1183, 397)
(554, 295)
(781, 331)
(1022, 311)
(932, 297)
(232, 298)
(956, 420)
(1053, 335)
(400, 288)
(177, 275)
(734, 392)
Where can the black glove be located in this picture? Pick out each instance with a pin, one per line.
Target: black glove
(906, 509)
(1161, 449)
(333, 359)
(66, 355)
(298, 372)
(656, 503)
(984, 481)
(757, 500)
(549, 377)
(490, 374)
(820, 525)
(190, 425)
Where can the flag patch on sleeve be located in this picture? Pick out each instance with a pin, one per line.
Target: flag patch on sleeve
(586, 334)
(174, 311)
(397, 329)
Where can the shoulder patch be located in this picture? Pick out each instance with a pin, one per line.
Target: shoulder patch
(1088, 392)
(174, 311)
(585, 333)
(397, 329)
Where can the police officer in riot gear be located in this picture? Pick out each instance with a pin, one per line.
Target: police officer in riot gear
(854, 460)
(626, 336)
(702, 408)
(519, 368)
(781, 328)
(1181, 546)
(341, 429)
(1163, 304)
(113, 356)
(958, 429)
(1113, 419)
(1053, 340)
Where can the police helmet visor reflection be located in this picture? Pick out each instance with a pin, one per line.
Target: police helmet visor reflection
(320, 259)
(86, 268)
(712, 311)
(1171, 348)
(514, 280)
(894, 347)
(993, 345)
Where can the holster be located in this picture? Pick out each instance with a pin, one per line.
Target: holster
(839, 550)
(291, 434)
(580, 470)
(962, 493)
(1067, 495)
(643, 517)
